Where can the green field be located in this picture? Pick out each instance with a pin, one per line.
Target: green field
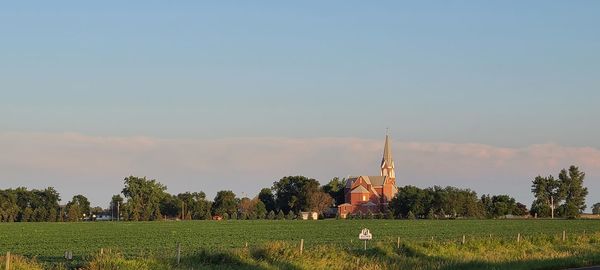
(47, 242)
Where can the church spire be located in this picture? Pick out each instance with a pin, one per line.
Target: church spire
(387, 162)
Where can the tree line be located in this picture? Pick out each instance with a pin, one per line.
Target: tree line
(143, 199)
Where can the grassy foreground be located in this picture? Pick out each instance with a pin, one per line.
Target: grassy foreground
(330, 244)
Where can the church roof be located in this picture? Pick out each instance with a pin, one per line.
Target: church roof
(360, 189)
(375, 181)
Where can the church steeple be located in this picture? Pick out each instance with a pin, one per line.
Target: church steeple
(387, 162)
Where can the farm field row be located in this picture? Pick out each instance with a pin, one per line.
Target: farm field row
(48, 241)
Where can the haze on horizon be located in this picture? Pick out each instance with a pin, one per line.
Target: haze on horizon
(235, 95)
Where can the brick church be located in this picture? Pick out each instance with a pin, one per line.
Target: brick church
(371, 193)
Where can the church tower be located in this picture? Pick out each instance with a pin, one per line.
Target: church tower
(387, 163)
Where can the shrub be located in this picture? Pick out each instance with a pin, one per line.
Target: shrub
(280, 215)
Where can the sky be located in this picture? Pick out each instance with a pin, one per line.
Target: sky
(235, 95)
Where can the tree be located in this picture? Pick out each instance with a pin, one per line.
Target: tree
(319, 201)
(171, 206)
(336, 188)
(547, 193)
(225, 202)
(411, 199)
(245, 206)
(596, 209)
(520, 210)
(293, 192)
(115, 206)
(459, 202)
(260, 210)
(143, 198)
(194, 205)
(78, 207)
(571, 186)
(498, 205)
(266, 196)
(9, 209)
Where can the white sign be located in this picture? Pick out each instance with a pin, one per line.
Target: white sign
(365, 234)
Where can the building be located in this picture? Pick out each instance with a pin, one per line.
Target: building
(364, 194)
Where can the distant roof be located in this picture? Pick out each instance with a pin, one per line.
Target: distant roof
(360, 189)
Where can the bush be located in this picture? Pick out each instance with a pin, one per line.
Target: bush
(280, 215)
(430, 214)
(290, 215)
(271, 215)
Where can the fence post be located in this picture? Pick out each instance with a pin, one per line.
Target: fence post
(564, 236)
(398, 244)
(178, 253)
(301, 246)
(518, 237)
(7, 260)
(101, 251)
(464, 239)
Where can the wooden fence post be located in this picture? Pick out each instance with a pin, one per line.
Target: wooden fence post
(464, 239)
(398, 244)
(7, 260)
(518, 237)
(564, 236)
(178, 253)
(301, 246)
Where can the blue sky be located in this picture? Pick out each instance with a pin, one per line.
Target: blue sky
(505, 74)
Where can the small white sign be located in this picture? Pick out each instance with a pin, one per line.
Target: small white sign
(365, 234)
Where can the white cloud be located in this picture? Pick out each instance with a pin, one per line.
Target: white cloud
(92, 165)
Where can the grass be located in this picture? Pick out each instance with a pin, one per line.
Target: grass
(330, 244)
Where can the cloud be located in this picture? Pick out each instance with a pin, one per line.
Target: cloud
(95, 165)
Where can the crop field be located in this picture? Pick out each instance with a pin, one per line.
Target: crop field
(47, 242)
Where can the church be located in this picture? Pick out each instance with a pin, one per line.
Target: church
(364, 194)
